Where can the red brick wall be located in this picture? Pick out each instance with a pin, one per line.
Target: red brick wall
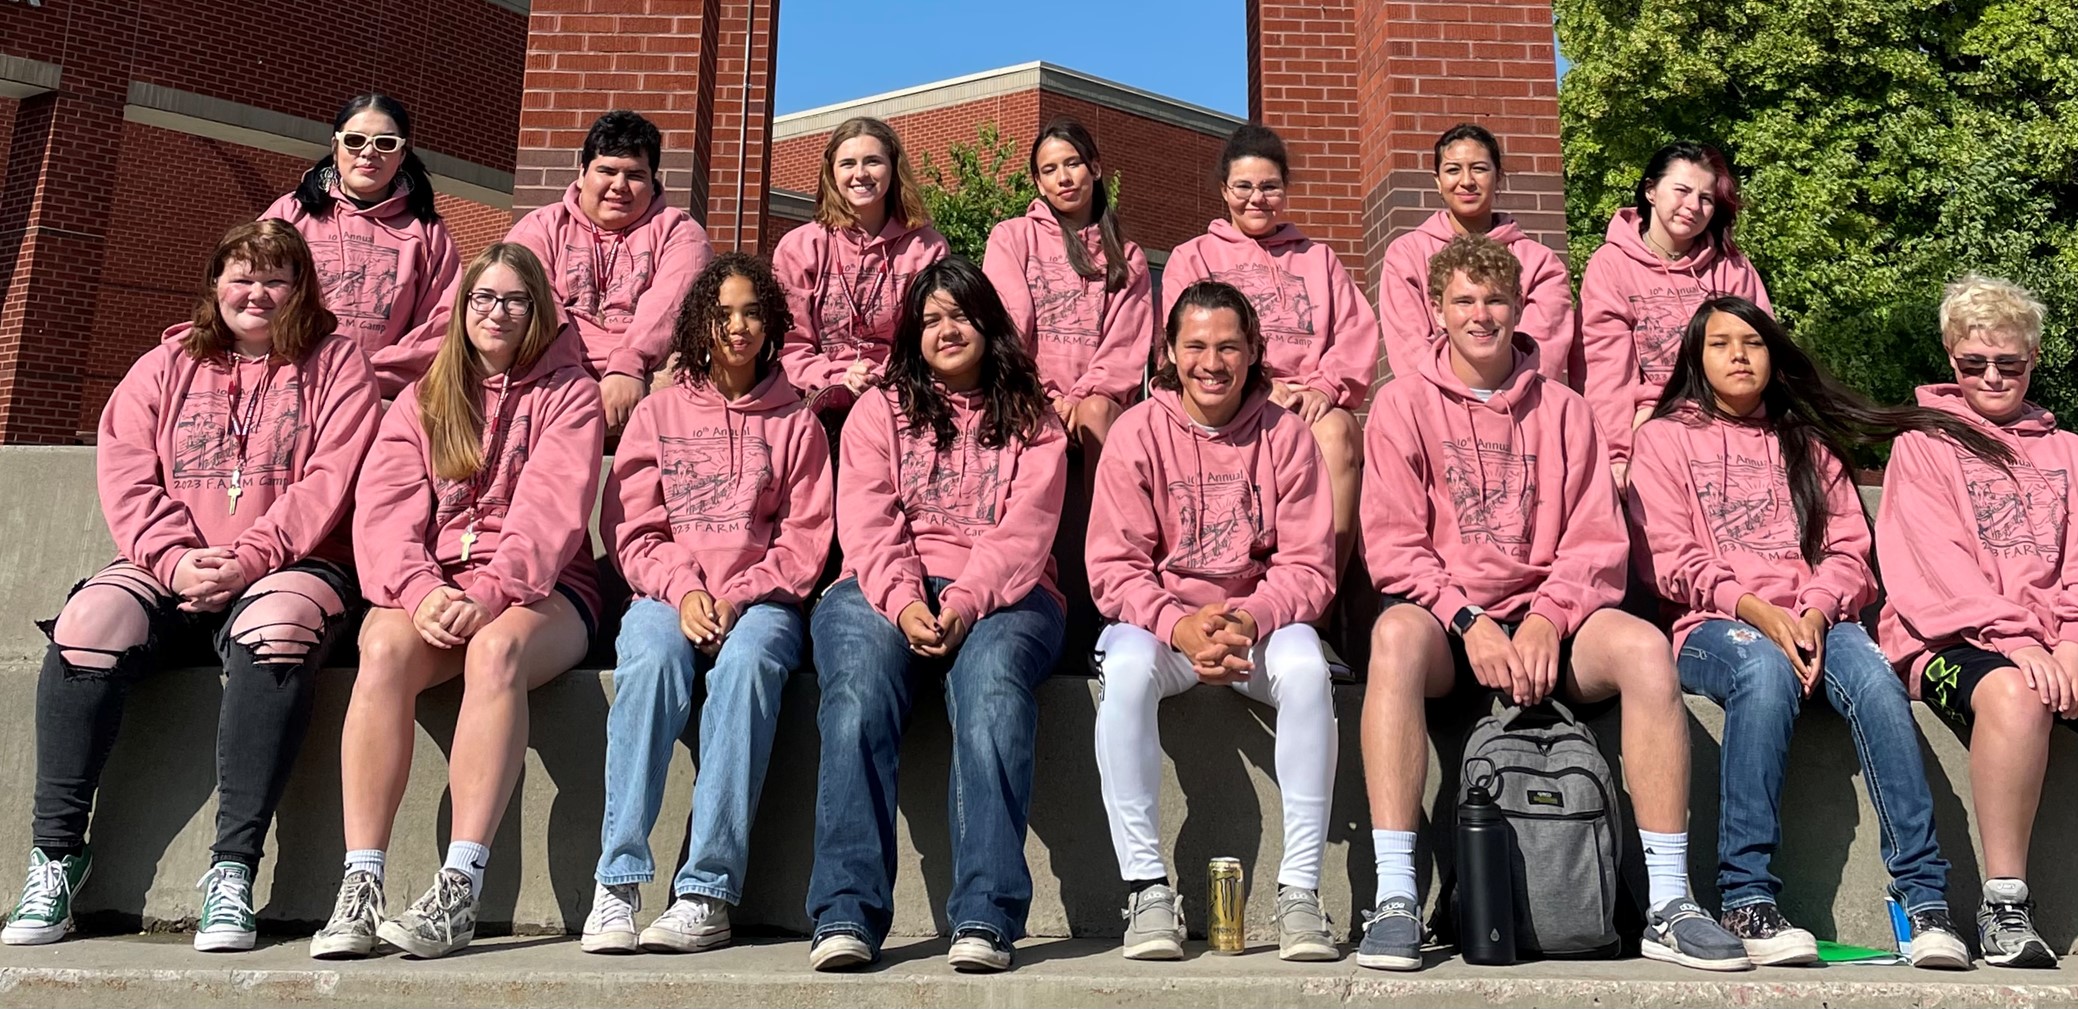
(1167, 194)
(586, 57)
(36, 33)
(742, 115)
(7, 107)
(1303, 84)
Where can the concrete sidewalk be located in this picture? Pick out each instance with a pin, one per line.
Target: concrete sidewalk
(164, 970)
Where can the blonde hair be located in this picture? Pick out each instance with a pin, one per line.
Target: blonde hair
(1975, 303)
(448, 406)
(904, 199)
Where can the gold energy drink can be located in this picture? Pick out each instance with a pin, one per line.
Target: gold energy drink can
(1226, 906)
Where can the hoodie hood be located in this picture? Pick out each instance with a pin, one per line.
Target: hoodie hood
(1244, 422)
(1287, 233)
(1505, 399)
(565, 351)
(773, 392)
(1626, 233)
(1439, 226)
(657, 205)
(1947, 397)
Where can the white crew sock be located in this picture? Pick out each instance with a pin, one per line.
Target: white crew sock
(365, 860)
(469, 859)
(1666, 865)
(1394, 852)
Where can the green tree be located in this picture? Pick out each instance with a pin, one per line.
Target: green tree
(970, 196)
(1884, 146)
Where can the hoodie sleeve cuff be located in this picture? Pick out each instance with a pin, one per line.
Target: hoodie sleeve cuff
(1165, 623)
(487, 595)
(1824, 602)
(962, 603)
(1561, 617)
(167, 563)
(678, 586)
(1268, 616)
(1725, 598)
(1447, 605)
(251, 563)
(628, 361)
(2069, 634)
(416, 589)
(2007, 645)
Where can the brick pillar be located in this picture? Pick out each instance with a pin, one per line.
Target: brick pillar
(586, 57)
(56, 205)
(1430, 66)
(739, 162)
(1302, 82)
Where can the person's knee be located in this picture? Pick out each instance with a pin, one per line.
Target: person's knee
(1402, 641)
(1126, 673)
(493, 661)
(2002, 703)
(652, 672)
(278, 629)
(1643, 657)
(98, 625)
(1096, 414)
(1767, 684)
(1341, 439)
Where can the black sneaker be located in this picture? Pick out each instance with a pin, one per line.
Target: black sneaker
(2006, 927)
(1769, 938)
(978, 950)
(1936, 945)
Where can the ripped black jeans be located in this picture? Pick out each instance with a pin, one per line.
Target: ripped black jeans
(121, 625)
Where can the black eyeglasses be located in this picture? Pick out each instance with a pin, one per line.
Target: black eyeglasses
(2009, 366)
(385, 143)
(517, 306)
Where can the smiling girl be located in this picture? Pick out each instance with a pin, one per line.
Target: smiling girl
(719, 509)
(949, 493)
(1469, 176)
(383, 255)
(470, 529)
(1669, 252)
(1320, 334)
(1743, 491)
(225, 461)
(847, 275)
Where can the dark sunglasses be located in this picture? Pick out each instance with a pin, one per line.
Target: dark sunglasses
(1974, 365)
(385, 143)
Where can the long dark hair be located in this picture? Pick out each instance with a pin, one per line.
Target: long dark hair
(1808, 412)
(701, 317)
(1075, 135)
(315, 191)
(1014, 403)
(1214, 295)
(1724, 192)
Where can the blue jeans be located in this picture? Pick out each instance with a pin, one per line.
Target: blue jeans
(868, 676)
(1742, 670)
(652, 699)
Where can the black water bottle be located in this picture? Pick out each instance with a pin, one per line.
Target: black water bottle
(1486, 881)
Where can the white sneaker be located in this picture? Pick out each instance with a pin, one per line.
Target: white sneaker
(610, 928)
(692, 923)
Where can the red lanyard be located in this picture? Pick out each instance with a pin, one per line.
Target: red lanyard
(480, 482)
(240, 429)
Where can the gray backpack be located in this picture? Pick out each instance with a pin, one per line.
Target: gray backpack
(1549, 778)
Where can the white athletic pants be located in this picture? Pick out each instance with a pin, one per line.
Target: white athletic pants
(1290, 676)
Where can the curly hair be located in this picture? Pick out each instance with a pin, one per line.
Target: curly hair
(1975, 302)
(701, 317)
(1013, 401)
(1482, 260)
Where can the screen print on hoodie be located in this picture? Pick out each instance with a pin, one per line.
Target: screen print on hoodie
(846, 291)
(1408, 317)
(1086, 340)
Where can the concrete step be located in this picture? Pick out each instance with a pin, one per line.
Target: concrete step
(157, 971)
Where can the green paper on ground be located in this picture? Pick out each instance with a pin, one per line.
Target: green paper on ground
(1833, 952)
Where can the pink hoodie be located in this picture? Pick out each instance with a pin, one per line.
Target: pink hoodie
(1634, 307)
(1184, 517)
(734, 498)
(1320, 330)
(532, 531)
(846, 293)
(1410, 323)
(1506, 504)
(1087, 341)
(166, 452)
(1712, 500)
(1971, 555)
(982, 517)
(383, 272)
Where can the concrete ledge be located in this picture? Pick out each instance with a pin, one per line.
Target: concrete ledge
(1070, 972)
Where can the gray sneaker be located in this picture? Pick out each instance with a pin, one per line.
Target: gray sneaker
(1154, 925)
(350, 934)
(1303, 929)
(2006, 926)
(1392, 937)
(1679, 932)
(441, 921)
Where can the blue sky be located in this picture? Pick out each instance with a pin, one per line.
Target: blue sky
(1193, 50)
